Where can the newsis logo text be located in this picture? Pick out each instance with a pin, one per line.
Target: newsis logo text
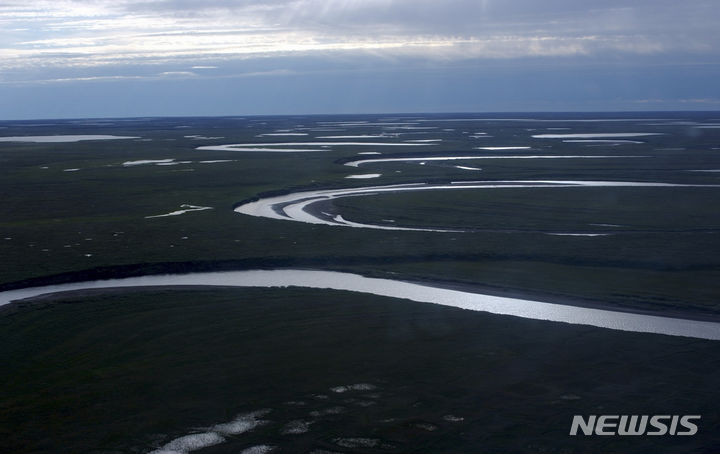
(634, 425)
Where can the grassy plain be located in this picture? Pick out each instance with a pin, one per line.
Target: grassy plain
(127, 371)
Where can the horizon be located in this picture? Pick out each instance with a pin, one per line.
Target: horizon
(350, 114)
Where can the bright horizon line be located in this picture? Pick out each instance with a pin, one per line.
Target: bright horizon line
(489, 112)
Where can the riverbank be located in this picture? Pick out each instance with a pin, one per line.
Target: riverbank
(134, 369)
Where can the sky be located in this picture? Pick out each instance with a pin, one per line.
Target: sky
(126, 58)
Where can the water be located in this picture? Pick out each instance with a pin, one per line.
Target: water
(398, 289)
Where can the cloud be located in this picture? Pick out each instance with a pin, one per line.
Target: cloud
(696, 101)
(177, 74)
(41, 39)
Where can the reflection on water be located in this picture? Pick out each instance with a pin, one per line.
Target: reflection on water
(398, 289)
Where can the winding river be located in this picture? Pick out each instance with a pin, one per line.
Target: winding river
(297, 206)
(399, 289)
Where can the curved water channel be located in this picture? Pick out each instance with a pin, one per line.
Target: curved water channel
(298, 206)
(399, 289)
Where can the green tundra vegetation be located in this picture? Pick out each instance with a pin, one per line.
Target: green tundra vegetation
(131, 370)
